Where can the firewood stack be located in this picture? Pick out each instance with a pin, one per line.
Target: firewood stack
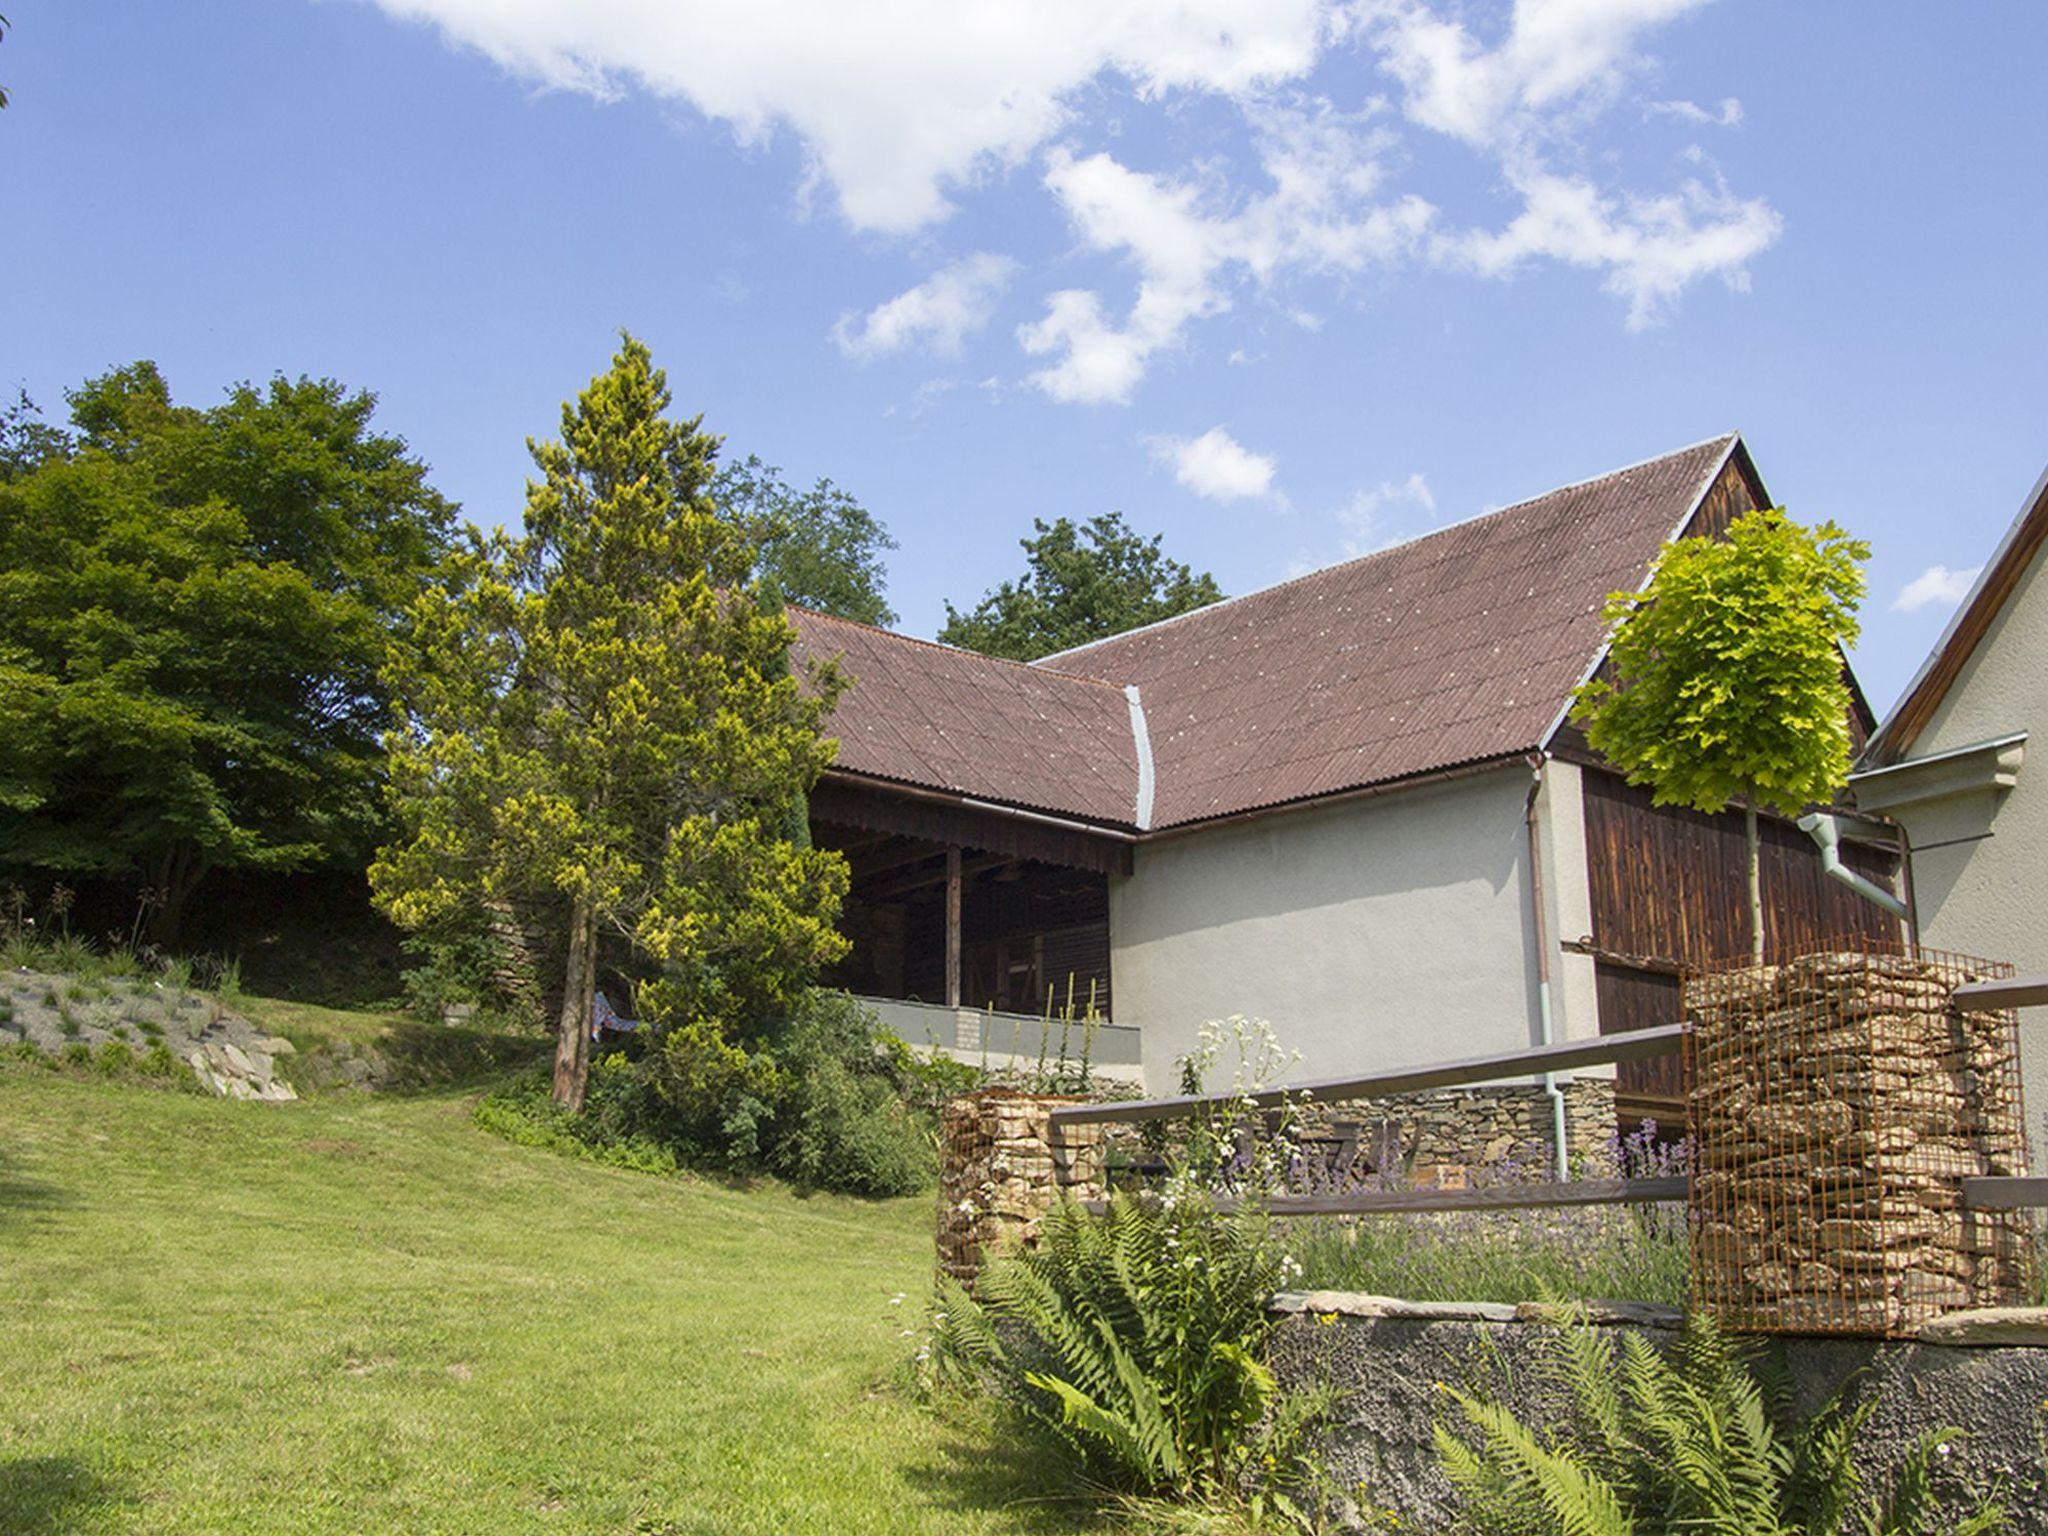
(1002, 1165)
(1839, 1100)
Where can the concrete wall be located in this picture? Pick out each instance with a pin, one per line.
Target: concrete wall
(1376, 932)
(1980, 860)
(1386, 1361)
(1008, 1042)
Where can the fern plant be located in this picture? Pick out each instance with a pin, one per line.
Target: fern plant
(1689, 1441)
(1135, 1336)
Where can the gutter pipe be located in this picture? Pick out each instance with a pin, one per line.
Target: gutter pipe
(1827, 837)
(1546, 1028)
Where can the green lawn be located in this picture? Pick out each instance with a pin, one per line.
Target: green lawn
(361, 1314)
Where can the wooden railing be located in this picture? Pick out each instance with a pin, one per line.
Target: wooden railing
(1568, 1055)
(1983, 1193)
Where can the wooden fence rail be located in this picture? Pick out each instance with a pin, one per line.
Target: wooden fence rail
(2010, 992)
(1635, 1045)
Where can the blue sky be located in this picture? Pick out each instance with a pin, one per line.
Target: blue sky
(1282, 279)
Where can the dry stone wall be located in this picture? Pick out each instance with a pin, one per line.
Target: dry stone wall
(1839, 1099)
(1492, 1135)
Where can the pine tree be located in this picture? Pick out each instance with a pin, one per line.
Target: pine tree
(603, 714)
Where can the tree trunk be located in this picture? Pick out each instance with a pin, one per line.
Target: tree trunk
(1756, 887)
(176, 876)
(572, 1031)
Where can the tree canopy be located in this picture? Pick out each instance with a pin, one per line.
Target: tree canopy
(601, 713)
(818, 548)
(195, 610)
(1081, 582)
(1725, 677)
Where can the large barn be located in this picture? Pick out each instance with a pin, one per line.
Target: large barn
(1351, 804)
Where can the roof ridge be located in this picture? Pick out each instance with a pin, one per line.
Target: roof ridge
(1452, 527)
(954, 650)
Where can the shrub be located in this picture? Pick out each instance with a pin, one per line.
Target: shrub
(76, 1054)
(842, 1120)
(158, 1061)
(523, 1111)
(1688, 1441)
(1138, 1336)
(114, 1058)
(829, 1101)
(460, 962)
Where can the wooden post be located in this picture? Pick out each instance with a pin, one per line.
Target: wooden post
(952, 925)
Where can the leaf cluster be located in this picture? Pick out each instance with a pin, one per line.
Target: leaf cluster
(1082, 582)
(196, 611)
(817, 548)
(1725, 675)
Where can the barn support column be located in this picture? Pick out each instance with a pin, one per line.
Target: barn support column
(953, 925)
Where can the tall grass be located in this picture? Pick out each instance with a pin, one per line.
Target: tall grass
(1609, 1253)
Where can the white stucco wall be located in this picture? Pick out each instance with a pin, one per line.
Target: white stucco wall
(1372, 933)
(1980, 862)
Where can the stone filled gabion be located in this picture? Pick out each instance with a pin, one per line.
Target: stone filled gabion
(1839, 1099)
(1002, 1166)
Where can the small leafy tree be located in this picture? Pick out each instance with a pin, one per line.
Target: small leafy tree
(1727, 674)
(818, 548)
(1083, 582)
(601, 713)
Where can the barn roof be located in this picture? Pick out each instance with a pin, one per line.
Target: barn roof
(1456, 648)
(938, 718)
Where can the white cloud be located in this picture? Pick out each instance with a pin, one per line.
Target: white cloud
(1368, 518)
(1650, 247)
(901, 107)
(1319, 215)
(1935, 586)
(1216, 466)
(938, 314)
(1557, 53)
(896, 102)
(1560, 61)
(1727, 115)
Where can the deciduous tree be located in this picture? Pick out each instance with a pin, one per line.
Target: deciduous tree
(195, 609)
(818, 548)
(602, 711)
(1725, 674)
(1081, 582)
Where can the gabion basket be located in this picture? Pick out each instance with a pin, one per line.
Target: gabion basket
(1839, 1099)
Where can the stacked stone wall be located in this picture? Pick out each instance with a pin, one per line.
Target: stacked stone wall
(1002, 1165)
(1499, 1134)
(1839, 1100)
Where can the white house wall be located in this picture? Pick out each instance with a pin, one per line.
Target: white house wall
(1988, 895)
(1371, 933)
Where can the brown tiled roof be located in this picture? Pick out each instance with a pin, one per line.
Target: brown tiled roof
(1454, 648)
(939, 718)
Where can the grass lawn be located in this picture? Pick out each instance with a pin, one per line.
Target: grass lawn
(361, 1314)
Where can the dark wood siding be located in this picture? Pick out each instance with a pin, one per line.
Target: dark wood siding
(1669, 887)
(1672, 883)
(1632, 997)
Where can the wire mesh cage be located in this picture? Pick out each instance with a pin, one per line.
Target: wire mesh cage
(1840, 1098)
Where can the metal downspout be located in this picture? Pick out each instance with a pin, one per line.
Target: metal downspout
(1827, 837)
(1551, 1089)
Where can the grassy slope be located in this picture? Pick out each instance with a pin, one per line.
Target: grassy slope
(362, 1314)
